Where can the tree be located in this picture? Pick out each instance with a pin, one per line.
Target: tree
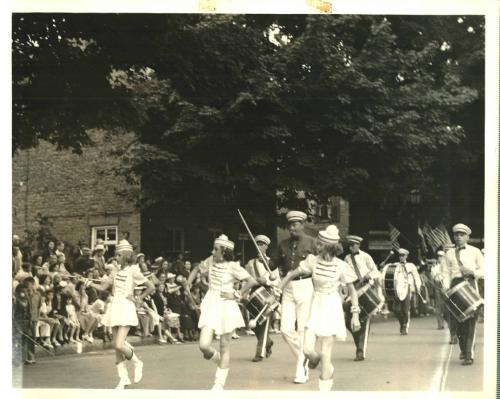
(230, 110)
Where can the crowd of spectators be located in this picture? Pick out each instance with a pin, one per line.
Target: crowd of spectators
(53, 307)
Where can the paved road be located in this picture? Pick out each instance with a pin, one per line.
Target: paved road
(420, 361)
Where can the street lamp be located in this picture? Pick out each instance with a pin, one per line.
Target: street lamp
(415, 196)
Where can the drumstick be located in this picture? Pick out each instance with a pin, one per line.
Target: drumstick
(252, 323)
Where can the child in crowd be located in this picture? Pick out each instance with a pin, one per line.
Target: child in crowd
(72, 322)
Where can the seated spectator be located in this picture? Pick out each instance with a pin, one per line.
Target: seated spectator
(45, 282)
(50, 266)
(155, 318)
(56, 337)
(59, 307)
(49, 250)
(97, 309)
(84, 263)
(73, 333)
(38, 261)
(61, 265)
(145, 319)
(47, 326)
(60, 248)
(24, 273)
(88, 322)
(162, 277)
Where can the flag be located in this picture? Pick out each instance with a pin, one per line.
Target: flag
(422, 239)
(393, 236)
(436, 237)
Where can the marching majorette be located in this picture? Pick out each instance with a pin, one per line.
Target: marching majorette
(220, 314)
(255, 267)
(465, 263)
(121, 313)
(297, 297)
(326, 319)
(407, 271)
(365, 269)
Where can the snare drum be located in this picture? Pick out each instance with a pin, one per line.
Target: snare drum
(395, 284)
(256, 302)
(462, 301)
(369, 301)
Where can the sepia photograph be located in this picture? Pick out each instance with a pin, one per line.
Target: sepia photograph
(235, 201)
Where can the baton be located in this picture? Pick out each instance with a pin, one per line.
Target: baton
(254, 242)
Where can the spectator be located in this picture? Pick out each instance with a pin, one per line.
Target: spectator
(155, 318)
(24, 331)
(49, 250)
(72, 321)
(145, 319)
(97, 310)
(77, 251)
(98, 257)
(34, 304)
(56, 337)
(61, 265)
(46, 325)
(24, 273)
(187, 267)
(45, 282)
(17, 255)
(60, 248)
(50, 266)
(160, 301)
(87, 320)
(59, 307)
(84, 263)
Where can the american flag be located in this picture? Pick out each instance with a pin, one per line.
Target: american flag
(437, 236)
(393, 236)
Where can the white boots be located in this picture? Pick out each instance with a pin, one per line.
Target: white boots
(325, 385)
(123, 374)
(220, 379)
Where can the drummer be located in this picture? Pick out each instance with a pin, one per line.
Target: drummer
(465, 263)
(402, 303)
(362, 264)
(255, 267)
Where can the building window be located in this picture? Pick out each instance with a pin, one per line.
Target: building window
(109, 234)
(174, 240)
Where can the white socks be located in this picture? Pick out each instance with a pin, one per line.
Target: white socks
(220, 379)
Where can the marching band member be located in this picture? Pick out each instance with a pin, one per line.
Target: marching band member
(401, 307)
(121, 313)
(220, 313)
(296, 299)
(326, 318)
(465, 263)
(436, 273)
(365, 269)
(255, 267)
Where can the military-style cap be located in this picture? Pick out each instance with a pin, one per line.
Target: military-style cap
(354, 239)
(403, 251)
(461, 228)
(296, 216)
(262, 238)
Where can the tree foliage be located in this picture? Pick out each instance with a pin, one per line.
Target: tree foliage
(230, 110)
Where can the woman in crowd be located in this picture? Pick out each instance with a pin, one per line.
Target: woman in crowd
(326, 319)
(121, 314)
(220, 313)
(49, 250)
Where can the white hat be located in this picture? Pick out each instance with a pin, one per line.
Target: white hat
(330, 235)
(159, 259)
(140, 254)
(224, 241)
(354, 239)
(296, 216)
(461, 228)
(99, 247)
(440, 253)
(403, 251)
(170, 275)
(262, 238)
(124, 246)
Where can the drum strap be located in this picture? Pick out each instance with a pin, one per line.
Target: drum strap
(356, 269)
